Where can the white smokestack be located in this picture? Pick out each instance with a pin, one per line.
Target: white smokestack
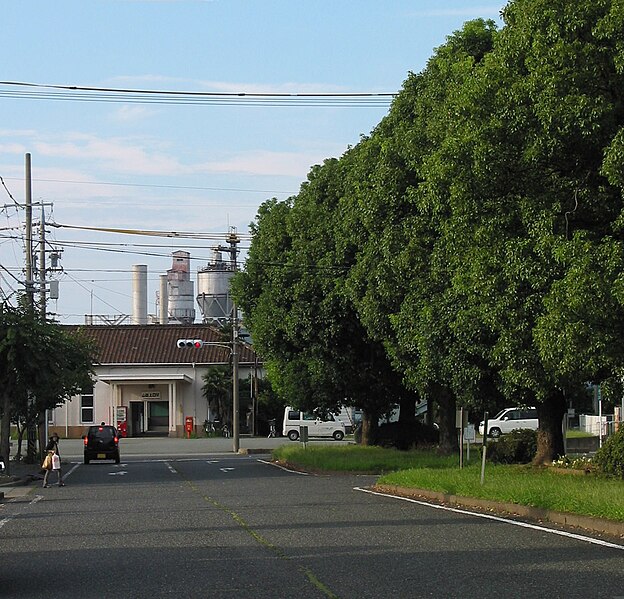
(139, 294)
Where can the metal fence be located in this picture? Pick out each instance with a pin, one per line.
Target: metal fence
(599, 426)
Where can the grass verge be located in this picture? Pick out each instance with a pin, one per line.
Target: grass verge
(588, 495)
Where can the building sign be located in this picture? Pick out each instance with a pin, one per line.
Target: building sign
(150, 395)
(122, 414)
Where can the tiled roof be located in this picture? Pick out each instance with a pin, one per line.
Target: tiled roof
(156, 344)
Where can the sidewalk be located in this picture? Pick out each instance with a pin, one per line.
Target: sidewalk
(19, 483)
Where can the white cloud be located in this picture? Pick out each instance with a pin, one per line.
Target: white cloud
(130, 114)
(289, 164)
(228, 87)
(113, 155)
(101, 158)
(12, 148)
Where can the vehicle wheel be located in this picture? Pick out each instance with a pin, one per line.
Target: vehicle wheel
(117, 459)
(495, 433)
(86, 460)
(293, 435)
(338, 435)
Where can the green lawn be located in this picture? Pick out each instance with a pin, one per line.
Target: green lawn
(588, 495)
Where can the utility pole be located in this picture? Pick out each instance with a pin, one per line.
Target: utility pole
(29, 242)
(233, 239)
(42, 266)
(30, 299)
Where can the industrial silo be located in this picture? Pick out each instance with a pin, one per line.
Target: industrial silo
(213, 290)
(181, 289)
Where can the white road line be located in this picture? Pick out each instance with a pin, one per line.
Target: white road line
(553, 531)
(36, 499)
(283, 468)
(72, 470)
(171, 468)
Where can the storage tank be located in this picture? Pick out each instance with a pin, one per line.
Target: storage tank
(213, 290)
(181, 289)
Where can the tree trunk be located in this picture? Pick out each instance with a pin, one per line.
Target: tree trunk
(369, 428)
(5, 432)
(445, 399)
(407, 411)
(550, 433)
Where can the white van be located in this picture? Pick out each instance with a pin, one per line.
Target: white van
(510, 419)
(293, 419)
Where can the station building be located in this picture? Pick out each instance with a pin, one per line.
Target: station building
(145, 384)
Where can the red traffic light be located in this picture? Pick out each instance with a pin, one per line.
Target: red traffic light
(196, 343)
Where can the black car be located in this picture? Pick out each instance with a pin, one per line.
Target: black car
(101, 443)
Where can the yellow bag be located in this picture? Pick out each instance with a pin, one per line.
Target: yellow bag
(47, 463)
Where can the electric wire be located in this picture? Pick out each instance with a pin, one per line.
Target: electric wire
(7, 190)
(39, 91)
(153, 185)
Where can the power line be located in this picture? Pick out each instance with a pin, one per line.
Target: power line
(153, 185)
(149, 233)
(35, 91)
(7, 190)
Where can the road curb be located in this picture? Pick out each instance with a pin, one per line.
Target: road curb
(597, 525)
(18, 482)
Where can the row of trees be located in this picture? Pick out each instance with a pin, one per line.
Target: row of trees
(469, 251)
(41, 366)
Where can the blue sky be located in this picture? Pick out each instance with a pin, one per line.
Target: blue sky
(196, 168)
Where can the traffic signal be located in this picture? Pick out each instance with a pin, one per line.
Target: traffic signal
(195, 343)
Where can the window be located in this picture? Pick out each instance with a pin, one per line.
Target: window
(87, 412)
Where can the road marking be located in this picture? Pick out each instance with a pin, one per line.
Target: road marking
(120, 473)
(36, 499)
(226, 469)
(171, 468)
(69, 473)
(553, 531)
(283, 468)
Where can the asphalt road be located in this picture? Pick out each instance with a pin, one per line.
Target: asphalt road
(221, 525)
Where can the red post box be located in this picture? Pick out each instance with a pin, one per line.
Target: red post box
(188, 426)
(122, 429)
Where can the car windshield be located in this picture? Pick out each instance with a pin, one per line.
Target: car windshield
(101, 432)
(500, 414)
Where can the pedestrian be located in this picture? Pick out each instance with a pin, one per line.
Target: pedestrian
(54, 463)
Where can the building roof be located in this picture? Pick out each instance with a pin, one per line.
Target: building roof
(157, 344)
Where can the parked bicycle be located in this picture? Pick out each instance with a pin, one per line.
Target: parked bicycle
(213, 428)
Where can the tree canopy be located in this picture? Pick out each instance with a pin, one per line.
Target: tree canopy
(41, 366)
(471, 245)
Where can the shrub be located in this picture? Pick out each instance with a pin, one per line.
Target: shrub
(516, 447)
(394, 434)
(610, 457)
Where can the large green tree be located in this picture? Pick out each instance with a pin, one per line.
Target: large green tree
(318, 354)
(41, 366)
(402, 281)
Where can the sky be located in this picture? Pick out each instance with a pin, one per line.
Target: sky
(135, 162)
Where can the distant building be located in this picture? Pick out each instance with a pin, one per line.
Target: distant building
(145, 380)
